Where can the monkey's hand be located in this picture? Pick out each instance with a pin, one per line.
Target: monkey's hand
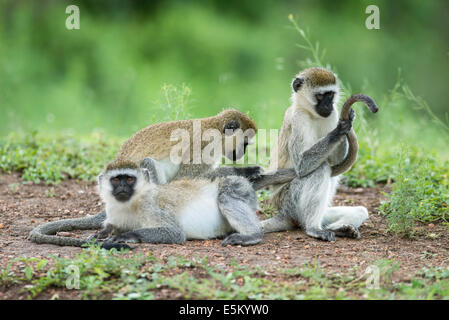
(107, 244)
(102, 234)
(351, 115)
(251, 173)
(114, 245)
(343, 127)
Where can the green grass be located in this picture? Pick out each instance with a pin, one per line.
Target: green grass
(118, 275)
(53, 158)
(109, 73)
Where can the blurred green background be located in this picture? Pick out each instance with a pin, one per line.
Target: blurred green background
(108, 75)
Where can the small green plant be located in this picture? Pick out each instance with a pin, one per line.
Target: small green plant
(420, 193)
(175, 102)
(50, 193)
(266, 207)
(13, 187)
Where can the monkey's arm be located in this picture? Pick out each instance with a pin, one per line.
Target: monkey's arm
(163, 228)
(339, 153)
(192, 170)
(251, 173)
(341, 150)
(152, 235)
(274, 177)
(308, 161)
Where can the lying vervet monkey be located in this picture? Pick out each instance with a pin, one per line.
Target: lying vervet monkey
(139, 210)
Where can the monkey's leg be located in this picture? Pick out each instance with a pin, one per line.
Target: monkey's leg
(279, 222)
(152, 235)
(345, 221)
(306, 202)
(237, 202)
(152, 166)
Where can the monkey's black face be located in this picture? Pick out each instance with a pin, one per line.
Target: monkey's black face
(324, 105)
(123, 187)
(230, 127)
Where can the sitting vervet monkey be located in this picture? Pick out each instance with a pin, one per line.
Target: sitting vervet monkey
(139, 210)
(312, 141)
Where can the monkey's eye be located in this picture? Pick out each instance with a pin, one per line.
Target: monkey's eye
(115, 180)
(131, 180)
(231, 126)
(319, 96)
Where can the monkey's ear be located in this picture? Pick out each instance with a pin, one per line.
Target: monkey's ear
(297, 83)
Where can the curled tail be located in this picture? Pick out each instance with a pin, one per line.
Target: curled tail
(352, 138)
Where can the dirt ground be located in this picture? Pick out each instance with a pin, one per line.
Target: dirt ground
(24, 206)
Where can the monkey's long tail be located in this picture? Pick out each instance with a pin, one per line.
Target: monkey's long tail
(46, 233)
(353, 149)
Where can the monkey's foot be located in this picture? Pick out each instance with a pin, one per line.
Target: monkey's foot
(241, 239)
(125, 237)
(114, 245)
(348, 231)
(325, 235)
(92, 237)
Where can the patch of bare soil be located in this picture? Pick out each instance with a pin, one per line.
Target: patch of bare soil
(24, 206)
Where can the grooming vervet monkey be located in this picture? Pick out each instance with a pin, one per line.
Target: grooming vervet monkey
(313, 141)
(139, 210)
(155, 142)
(159, 142)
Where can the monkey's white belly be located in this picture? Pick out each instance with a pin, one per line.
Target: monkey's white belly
(202, 219)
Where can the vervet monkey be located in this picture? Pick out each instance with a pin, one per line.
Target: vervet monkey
(139, 210)
(161, 141)
(313, 141)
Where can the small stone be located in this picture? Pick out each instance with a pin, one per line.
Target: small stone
(431, 225)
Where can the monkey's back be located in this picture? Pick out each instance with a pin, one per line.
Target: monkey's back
(154, 141)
